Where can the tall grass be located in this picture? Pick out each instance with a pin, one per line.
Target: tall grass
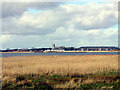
(61, 65)
(60, 71)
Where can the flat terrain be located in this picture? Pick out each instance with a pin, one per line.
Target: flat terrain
(59, 64)
(64, 66)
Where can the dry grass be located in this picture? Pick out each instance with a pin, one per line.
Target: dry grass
(62, 65)
(53, 71)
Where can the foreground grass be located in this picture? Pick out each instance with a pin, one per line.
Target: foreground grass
(77, 71)
(110, 79)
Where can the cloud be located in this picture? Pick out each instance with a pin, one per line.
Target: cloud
(91, 37)
(18, 8)
(65, 24)
(97, 16)
(63, 37)
(4, 38)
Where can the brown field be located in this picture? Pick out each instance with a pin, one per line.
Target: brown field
(60, 71)
(80, 64)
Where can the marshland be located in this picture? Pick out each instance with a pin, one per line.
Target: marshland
(70, 71)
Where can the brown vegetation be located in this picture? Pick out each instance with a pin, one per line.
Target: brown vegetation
(78, 68)
(77, 64)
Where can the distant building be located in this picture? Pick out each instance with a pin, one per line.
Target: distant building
(63, 48)
(98, 48)
(53, 46)
(58, 50)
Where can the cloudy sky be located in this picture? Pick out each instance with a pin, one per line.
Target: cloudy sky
(40, 24)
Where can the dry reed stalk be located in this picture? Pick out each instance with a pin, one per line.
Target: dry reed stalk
(76, 64)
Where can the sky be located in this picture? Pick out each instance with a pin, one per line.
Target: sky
(41, 24)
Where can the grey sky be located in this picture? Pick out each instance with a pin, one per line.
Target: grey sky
(64, 24)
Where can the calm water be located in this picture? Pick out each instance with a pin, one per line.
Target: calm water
(49, 54)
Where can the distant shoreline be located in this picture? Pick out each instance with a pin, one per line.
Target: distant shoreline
(61, 52)
(16, 52)
(91, 51)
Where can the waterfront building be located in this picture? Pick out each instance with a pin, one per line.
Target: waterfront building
(53, 46)
(98, 48)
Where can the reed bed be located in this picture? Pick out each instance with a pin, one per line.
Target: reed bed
(61, 65)
(48, 72)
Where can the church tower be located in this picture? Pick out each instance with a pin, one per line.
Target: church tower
(53, 46)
